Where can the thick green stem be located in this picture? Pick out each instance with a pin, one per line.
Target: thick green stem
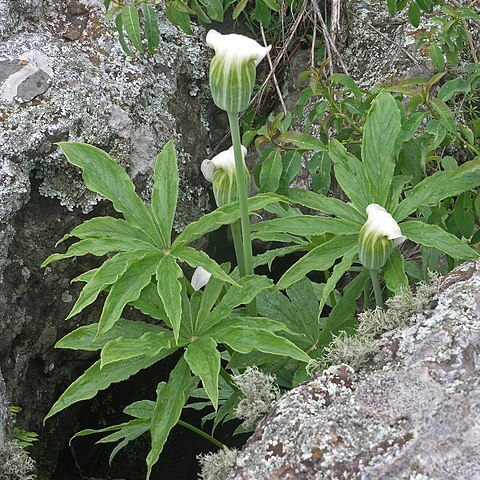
(237, 243)
(242, 200)
(376, 288)
(366, 297)
(201, 433)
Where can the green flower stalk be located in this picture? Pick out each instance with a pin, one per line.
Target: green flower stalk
(220, 172)
(378, 237)
(232, 71)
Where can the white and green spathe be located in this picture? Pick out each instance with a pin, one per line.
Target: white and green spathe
(378, 237)
(220, 172)
(232, 71)
(200, 278)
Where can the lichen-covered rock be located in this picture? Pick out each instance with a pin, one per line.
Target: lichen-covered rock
(376, 47)
(410, 413)
(3, 411)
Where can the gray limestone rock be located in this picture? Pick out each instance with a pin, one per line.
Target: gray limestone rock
(411, 413)
(3, 411)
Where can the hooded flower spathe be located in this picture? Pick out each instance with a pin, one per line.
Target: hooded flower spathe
(220, 171)
(232, 71)
(378, 237)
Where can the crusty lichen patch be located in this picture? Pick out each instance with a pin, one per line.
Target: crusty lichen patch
(413, 414)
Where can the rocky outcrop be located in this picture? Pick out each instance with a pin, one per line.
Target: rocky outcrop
(3, 411)
(410, 413)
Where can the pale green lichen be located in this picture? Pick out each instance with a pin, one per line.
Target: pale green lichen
(215, 466)
(15, 463)
(259, 392)
(355, 350)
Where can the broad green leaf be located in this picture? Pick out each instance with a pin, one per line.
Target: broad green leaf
(251, 322)
(169, 288)
(410, 127)
(273, 5)
(319, 259)
(303, 141)
(328, 205)
(127, 289)
(101, 227)
(438, 186)
(350, 175)
(394, 272)
(345, 308)
(436, 56)
(151, 28)
(396, 189)
(246, 339)
(95, 379)
(204, 360)
(178, 17)
(108, 273)
(445, 114)
(224, 216)
(271, 172)
(214, 9)
(143, 409)
(434, 236)
(414, 14)
(307, 225)
(150, 303)
(346, 81)
(247, 289)
(106, 177)
(131, 22)
(378, 146)
(165, 191)
(452, 87)
(150, 344)
(269, 256)
(463, 215)
(320, 167)
(171, 398)
(100, 247)
(84, 338)
(197, 258)
(119, 27)
(338, 271)
(425, 5)
(239, 8)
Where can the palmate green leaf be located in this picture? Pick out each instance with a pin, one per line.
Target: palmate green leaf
(171, 398)
(204, 360)
(246, 339)
(247, 289)
(143, 409)
(434, 236)
(169, 289)
(84, 338)
(303, 141)
(100, 247)
(338, 271)
(126, 432)
(127, 289)
(351, 175)
(394, 272)
(319, 259)
(150, 303)
(165, 191)
(101, 227)
(197, 258)
(150, 344)
(95, 379)
(344, 310)
(103, 175)
(131, 22)
(224, 216)
(307, 225)
(111, 270)
(328, 205)
(438, 186)
(151, 28)
(251, 322)
(378, 146)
